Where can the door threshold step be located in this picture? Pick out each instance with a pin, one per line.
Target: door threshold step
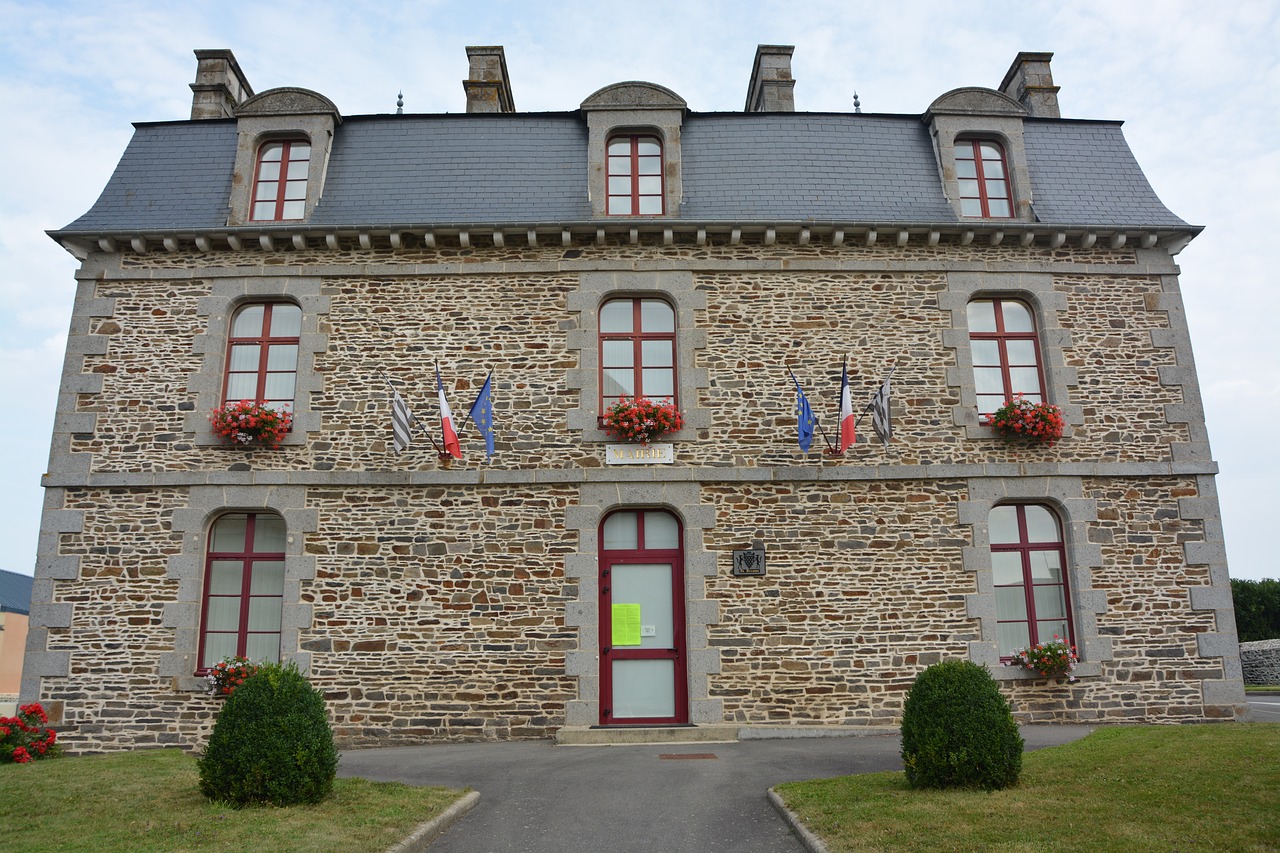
(621, 736)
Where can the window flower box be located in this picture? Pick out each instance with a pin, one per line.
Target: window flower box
(1020, 419)
(250, 422)
(642, 420)
(1056, 659)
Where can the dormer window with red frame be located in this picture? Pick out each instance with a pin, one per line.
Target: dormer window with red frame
(634, 176)
(280, 181)
(262, 354)
(983, 178)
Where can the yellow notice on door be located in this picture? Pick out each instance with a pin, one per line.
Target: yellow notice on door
(626, 624)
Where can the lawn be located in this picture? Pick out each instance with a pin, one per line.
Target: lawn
(1193, 787)
(149, 801)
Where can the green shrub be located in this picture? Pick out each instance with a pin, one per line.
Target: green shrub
(958, 731)
(271, 743)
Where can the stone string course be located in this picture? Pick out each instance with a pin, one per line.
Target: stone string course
(448, 603)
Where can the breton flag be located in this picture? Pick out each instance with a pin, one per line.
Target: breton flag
(401, 421)
(847, 435)
(804, 417)
(451, 445)
(481, 413)
(880, 412)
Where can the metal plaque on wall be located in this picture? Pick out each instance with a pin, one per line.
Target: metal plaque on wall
(748, 563)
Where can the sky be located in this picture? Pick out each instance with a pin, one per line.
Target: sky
(1196, 86)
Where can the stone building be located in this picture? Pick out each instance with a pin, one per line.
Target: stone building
(272, 248)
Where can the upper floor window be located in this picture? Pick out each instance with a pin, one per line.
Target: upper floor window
(262, 354)
(634, 176)
(1006, 356)
(280, 181)
(243, 588)
(1028, 565)
(983, 179)
(637, 350)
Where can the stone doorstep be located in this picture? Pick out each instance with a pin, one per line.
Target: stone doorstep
(628, 735)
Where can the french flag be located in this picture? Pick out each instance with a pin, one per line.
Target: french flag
(451, 445)
(847, 437)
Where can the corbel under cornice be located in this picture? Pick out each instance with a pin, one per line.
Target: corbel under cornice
(411, 236)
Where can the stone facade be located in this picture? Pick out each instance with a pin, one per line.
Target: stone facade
(460, 601)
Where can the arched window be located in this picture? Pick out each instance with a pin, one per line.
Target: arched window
(1029, 569)
(243, 588)
(262, 354)
(637, 350)
(983, 179)
(642, 626)
(1006, 354)
(634, 176)
(280, 181)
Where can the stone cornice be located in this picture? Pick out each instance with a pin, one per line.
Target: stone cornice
(275, 238)
(834, 472)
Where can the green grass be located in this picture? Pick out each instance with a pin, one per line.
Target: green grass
(1262, 688)
(1195, 787)
(150, 801)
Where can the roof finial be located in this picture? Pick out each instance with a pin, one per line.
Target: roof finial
(400, 103)
(857, 105)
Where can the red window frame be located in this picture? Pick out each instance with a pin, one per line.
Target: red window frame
(264, 369)
(1025, 549)
(280, 185)
(634, 175)
(637, 338)
(1003, 338)
(983, 186)
(248, 558)
(675, 557)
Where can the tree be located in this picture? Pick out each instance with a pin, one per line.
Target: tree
(1257, 609)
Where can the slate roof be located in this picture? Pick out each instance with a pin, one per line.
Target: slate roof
(437, 170)
(15, 592)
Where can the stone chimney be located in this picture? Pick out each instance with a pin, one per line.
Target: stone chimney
(487, 85)
(771, 88)
(220, 85)
(1030, 83)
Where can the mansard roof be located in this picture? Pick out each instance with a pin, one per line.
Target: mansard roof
(515, 169)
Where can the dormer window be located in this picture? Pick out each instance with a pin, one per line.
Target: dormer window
(983, 178)
(280, 181)
(635, 176)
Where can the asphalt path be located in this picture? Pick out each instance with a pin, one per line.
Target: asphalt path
(1265, 708)
(651, 798)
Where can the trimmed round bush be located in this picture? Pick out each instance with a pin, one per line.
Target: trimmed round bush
(958, 730)
(271, 743)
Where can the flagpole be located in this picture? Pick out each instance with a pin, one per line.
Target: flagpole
(831, 448)
(413, 417)
(465, 420)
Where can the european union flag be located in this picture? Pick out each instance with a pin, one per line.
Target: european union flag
(482, 413)
(804, 418)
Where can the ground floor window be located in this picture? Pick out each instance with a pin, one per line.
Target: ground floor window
(1028, 564)
(243, 588)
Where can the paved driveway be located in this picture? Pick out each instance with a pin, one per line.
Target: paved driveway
(1265, 707)
(539, 798)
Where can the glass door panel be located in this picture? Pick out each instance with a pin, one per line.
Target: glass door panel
(644, 688)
